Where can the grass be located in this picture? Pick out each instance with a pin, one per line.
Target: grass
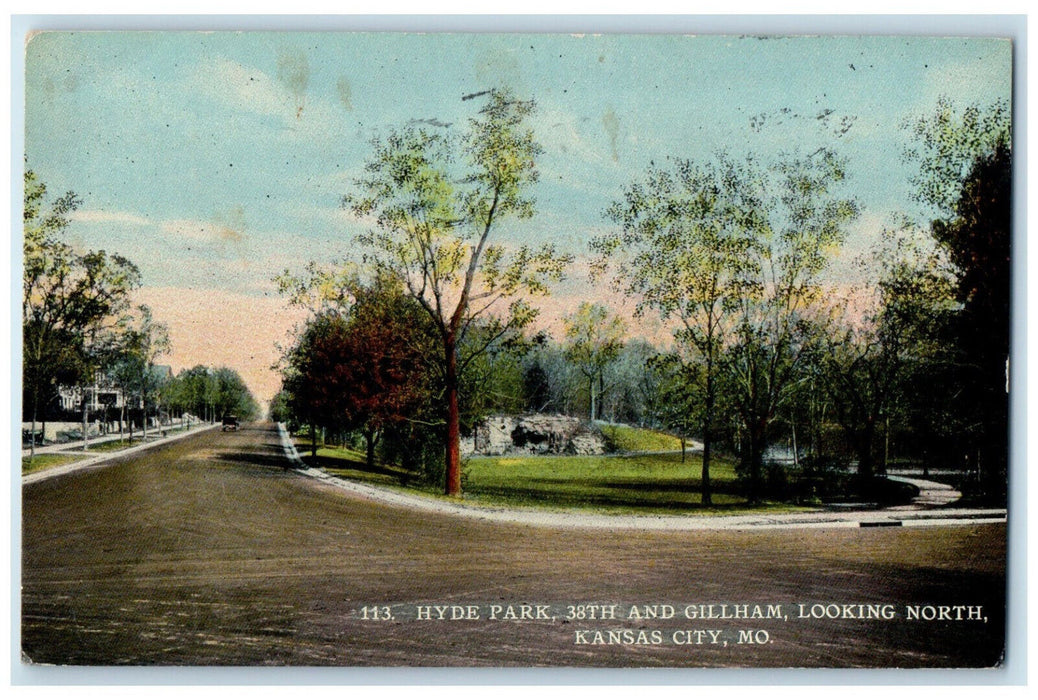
(638, 483)
(648, 484)
(153, 434)
(113, 445)
(48, 461)
(626, 438)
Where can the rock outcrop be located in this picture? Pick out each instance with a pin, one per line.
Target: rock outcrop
(536, 434)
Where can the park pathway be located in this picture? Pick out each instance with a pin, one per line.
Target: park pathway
(932, 494)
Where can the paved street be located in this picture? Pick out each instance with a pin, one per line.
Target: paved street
(207, 551)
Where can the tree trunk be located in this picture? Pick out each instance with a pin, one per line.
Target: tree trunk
(86, 440)
(708, 419)
(452, 466)
(706, 497)
(757, 431)
(796, 452)
(32, 428)
(601, 394)
(865, 460)
(369, 437)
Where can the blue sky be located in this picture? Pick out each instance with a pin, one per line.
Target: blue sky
(214, 160)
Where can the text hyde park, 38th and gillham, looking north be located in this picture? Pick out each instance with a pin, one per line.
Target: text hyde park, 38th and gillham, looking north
(610, 304)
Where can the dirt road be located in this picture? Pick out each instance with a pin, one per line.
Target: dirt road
(208, 552)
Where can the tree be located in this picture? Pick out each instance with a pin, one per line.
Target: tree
(684, 250)
(869, 354)
(490, 371)
(536, 387)
(232, 395)
(978, 240)
(280, 407)
(363, 365)
(553, 383)
(73, 303)
(209, 392)
(384, 369)
(435, 215)
(187, 391)
(313, 378)
(675, 403)
(776, 325)
(140, 346)
(595, 338)
(633, 384)
(964, 160)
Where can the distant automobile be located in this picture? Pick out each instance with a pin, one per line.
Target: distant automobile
(230, 423)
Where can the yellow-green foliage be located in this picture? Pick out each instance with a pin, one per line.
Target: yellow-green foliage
(626, 438)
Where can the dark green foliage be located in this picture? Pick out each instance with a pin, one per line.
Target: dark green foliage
(959, 411)
(978, 244)
(536, 388)
(280, 410)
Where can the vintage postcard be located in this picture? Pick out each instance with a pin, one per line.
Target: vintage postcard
(515, 350)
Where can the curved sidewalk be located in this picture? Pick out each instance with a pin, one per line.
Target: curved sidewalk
(814, 519)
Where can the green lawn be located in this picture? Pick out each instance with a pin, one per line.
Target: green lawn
(46, 461)
(650, 484)
(153, 434)
(113, 445)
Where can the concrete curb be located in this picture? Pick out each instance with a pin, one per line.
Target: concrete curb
(567, 519)
(108, 456)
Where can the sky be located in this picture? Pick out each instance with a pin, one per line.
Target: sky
(215, 161)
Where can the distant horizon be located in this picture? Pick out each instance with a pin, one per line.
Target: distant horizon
(215, 161)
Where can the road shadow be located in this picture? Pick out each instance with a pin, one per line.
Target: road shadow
(256, 459)
(681, 498)
(333, 464)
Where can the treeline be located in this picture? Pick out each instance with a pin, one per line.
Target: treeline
(208, 393)
(907, 365)
(81, 330)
